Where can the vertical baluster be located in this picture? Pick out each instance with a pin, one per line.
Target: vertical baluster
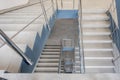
(45, 15)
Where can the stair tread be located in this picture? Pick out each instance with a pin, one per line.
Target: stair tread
(94, 30)
(51, 50)
(94, 49)
(48, 60)
(49, 55)
(102, 37)
(46, 69)
(97, 24)
(91, 16)
(100, 70)
(47, 64)
(97, 55)
(98, 63)
(99, 11)
(96, 70)
(97, 46)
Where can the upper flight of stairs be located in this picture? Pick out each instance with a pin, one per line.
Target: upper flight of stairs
(98, 50)
(49, 59)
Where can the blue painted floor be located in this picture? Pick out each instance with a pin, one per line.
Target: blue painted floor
(66, 14)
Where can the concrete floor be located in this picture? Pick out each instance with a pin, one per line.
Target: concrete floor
(64, 29)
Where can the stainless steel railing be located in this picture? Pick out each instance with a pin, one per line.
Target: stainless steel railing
(60, 59)
(14, 47)
(114, 28)
(80, 38)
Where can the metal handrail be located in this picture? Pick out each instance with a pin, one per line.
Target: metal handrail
(56, 5)
(113, 25)
(109, 10)
(52, 5)
(60, 59)
(61, 4)
(73, 4)
(45, 14)
(15, 47)
(116, 58)
(81, 46)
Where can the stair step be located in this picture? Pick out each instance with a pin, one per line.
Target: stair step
(47, 64)
(99, 63)
(96, 31)
(94, 11)
(51, 50)
(52, 47)
(99, 70)
(50, 53)
(97, 46)
(91, 16)
(49, 56)
(97, 41)
(94, 49)
(96, 55)
(48, 60)
(48, 69)
(96, 70)
(95, 24)
(94, 37)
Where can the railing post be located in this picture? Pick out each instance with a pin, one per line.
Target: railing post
(54, 14)
(15, 47)
(56, 5)
(81, 46)
(53, 6)
(45, 15)
(73, 4)
(61, 4)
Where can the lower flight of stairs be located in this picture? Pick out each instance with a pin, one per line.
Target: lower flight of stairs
(49, 60)
(98, 50)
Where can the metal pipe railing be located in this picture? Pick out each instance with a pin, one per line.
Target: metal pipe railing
(56, 5)
(80, 38)
(15, 47)
(116, 58)
(61, 4)
(114, 27)
(60, 59)
(53, 6)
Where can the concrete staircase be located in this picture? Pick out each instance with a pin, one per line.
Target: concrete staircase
(49, 60)
(98, 50)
